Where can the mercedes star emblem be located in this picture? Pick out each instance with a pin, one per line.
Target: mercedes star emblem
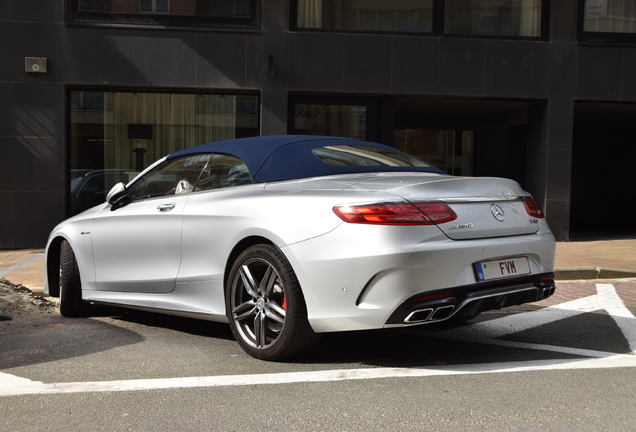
(497, 212)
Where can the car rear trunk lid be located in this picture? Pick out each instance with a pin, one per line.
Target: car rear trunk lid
(485, 207)
(489, 219)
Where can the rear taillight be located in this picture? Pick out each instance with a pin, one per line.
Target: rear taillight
(533, 208)
(434, 297)
(396, 213)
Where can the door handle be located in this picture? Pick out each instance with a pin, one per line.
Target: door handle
(166, 207)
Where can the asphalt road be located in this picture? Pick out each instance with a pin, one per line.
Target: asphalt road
(570, 366)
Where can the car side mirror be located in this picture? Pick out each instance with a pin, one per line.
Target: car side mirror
(117, 196)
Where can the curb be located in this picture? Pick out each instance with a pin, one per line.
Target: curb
(574, 273)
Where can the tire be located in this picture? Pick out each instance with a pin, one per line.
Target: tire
(265, 305)
(71, 303)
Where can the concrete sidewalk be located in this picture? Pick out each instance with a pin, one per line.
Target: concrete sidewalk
(605, 259)
(23, 267)
(574, 260)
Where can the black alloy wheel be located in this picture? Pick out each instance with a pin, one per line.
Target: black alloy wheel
(265, 305)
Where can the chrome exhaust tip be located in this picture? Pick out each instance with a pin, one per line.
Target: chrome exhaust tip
(441, 313)
(419, 316)
(429, 314)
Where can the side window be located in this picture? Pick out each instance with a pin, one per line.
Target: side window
(223, 171)
(173, 177)
(181, 13)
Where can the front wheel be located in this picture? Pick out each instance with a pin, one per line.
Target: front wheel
(265, 305)
(71, 303)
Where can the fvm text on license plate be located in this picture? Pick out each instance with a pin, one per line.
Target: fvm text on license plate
(502, 268)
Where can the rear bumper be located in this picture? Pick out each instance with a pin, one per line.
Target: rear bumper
(356, 277)
(468, 301)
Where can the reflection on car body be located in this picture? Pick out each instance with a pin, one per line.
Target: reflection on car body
(288, 237)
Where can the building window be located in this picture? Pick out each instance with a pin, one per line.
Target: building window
(115, 135)
(513, 18)
(411, 16)
(610, 16)
(607, 20)
(449, 150)
(332, 115)
(153, 6)
(331, 120)
(95, 5)
(206, 13)
(495, 18)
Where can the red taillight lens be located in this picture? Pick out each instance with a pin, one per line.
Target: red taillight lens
(533, 208)
(396, 213)
(437, 212)
(434, 297)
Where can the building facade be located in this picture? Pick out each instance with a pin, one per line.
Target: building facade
(541, 91)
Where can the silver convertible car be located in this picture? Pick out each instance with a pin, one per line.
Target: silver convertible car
(288, 237)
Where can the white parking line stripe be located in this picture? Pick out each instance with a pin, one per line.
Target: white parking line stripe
(34, 387)
(619, 313)
(606, 299)
(526, 345)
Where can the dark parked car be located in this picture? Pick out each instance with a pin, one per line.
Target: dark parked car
(89, 187)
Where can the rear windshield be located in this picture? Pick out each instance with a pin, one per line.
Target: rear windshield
(366, 156)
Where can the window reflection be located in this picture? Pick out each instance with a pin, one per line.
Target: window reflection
(211, 8)
(364, 155)
(610, 16)
(510, 18)
(493, 17)
(331, 120)
(367, 15)
(191, 174)
(449, 150)
(175, 177)
(118, 134)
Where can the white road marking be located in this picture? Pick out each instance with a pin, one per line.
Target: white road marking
(36, 387)
(606, 299)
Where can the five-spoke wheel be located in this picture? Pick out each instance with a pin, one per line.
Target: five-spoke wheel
(265, 305)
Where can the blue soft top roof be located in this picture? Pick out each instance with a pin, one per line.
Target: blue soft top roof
(287, 157)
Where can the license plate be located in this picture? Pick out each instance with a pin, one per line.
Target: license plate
(502, 268)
